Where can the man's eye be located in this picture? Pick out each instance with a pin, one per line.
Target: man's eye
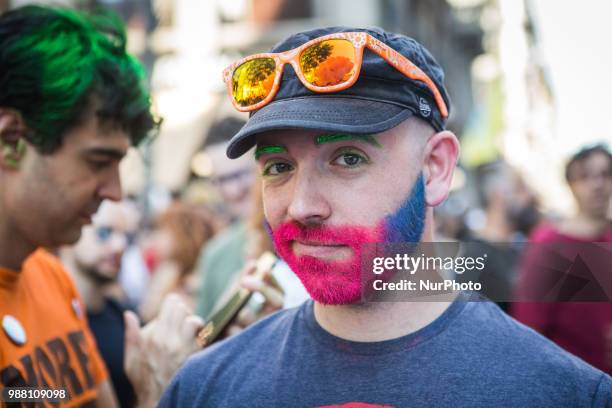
(350, 160)
(98, 164)
(277, 168)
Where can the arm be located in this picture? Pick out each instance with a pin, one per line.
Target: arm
(106, 395)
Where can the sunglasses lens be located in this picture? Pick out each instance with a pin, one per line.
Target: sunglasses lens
(253, 80)
(328, 63)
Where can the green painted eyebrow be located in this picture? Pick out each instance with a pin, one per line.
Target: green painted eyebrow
(335, 137)
(268, 150)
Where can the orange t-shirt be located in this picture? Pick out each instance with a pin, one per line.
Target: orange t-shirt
(59, 350)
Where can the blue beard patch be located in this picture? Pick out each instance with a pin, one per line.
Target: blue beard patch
(408, 222)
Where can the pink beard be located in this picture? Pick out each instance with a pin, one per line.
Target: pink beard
(328, 282)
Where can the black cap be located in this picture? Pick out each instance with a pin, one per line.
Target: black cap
(380, 99)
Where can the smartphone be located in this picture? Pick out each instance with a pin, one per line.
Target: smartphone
(221, 319)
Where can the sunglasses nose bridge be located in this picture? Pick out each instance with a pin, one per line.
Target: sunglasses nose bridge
(287, 57)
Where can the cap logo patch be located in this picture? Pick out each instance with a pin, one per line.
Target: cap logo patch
(424, 107)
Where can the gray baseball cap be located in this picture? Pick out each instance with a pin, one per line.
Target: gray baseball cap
(380, 99)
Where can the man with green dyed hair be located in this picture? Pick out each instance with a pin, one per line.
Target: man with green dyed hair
(58, 66)
(72, 101)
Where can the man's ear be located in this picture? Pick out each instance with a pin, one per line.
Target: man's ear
(440, 159)
(12, 138)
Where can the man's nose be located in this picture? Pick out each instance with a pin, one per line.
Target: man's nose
(309, 204)
(118, 242)
(111, 187)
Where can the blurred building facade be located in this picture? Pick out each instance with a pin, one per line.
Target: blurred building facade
(504, 99)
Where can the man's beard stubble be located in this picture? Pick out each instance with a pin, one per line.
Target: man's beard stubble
(92, 273)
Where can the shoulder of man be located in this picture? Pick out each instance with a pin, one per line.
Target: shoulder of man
(219, 260)
(43, 261)
(510, 344)
(200, 374)
(603, 392)
(215, 253)
(50, 293)
(246, 342)
(546, 231)
(233, 235)
(42, 257)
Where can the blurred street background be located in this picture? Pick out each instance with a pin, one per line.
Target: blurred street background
(521, 75)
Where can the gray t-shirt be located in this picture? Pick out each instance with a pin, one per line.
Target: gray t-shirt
(473, 355)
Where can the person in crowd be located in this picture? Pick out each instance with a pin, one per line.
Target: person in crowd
(95, 262)
(134, 276)
(451, 225)
(511, 211)
(72, 102)
(583, 328)
(224, 257)
(178, 234)
(352, 147)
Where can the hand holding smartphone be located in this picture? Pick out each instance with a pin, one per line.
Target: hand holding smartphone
(221, 319)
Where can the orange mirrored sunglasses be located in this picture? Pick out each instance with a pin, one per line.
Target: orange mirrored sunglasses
(326, 64)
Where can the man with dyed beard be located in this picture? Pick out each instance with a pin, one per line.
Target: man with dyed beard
(351, 144)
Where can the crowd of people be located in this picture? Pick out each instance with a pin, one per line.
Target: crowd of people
(106, 300)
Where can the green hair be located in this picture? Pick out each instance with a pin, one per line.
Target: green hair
(57, 65)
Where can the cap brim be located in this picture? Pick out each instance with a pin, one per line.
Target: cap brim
(324, 113)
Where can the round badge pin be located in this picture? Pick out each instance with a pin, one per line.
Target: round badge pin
(13, 330)
(76, 307)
